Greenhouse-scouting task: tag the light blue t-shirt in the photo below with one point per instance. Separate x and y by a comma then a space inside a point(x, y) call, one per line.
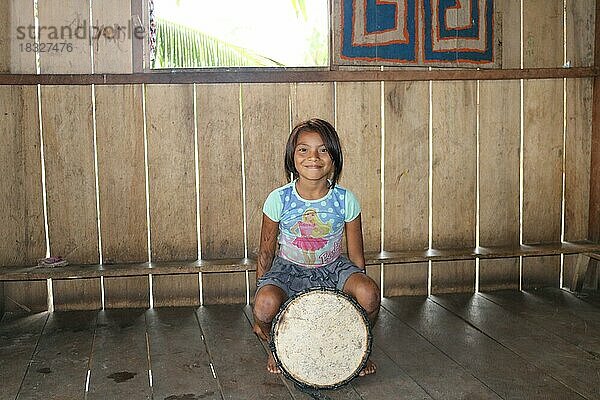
point(310, 231)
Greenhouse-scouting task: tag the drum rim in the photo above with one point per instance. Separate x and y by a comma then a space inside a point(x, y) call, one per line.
point(362, 313)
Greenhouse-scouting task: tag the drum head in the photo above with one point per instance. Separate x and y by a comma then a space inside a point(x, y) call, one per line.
point(321, 338)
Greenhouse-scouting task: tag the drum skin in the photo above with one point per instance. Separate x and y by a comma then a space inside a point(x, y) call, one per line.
point(321, 338)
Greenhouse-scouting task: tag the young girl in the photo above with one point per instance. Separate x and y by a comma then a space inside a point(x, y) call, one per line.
point(302, 229)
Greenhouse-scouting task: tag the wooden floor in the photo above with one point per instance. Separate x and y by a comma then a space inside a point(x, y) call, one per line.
point(503, 345)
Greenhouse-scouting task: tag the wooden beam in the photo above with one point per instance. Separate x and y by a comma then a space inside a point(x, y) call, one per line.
point(271, 75)
point(245, 264)
point(594, 223)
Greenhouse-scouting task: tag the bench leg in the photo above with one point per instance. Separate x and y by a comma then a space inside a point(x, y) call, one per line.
point(591, 276)
point(581, 267)
point(1, 300)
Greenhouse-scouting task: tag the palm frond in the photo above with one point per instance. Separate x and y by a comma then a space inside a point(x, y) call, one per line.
point(179, 46)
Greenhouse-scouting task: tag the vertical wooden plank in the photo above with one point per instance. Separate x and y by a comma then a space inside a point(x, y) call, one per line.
point(121, 176)
point(179, 359)
point(119, 367)
point(71, 20)
point(499, 159)
point(454, 164)
point(120, 138)
point(580, 52)
point(543, 135)
point(542, 161)
point(21, 205)
point(18, 339)
point(68, 136)
point(225, 288)
point(509, 13)
point(120, 146)
point(406, 183)
point(5, 35)
point(5, 42)
point(70, 176)
point(28, 296)
point(453, 277)
point(312, 100)
point(578, 158)
point(176, 290)
point(454, 142)
point(498, 274)
point(408, 279)
point(542, 152)
point(112, 36)
point(499, 146)
point(20, 17)
point(127, 292)
point(220, 169)
point(86, 295)
point(406, 109)
point(172, 176)
point(58, 369)
point(358, 114)
point(540, 272)
point(264, 137)
point(171, 170)
point(594, 222)
point(581, 18)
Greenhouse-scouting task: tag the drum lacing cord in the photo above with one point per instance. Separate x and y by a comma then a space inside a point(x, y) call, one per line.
point(313, 393)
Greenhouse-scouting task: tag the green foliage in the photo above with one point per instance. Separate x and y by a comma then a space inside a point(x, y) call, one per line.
point(299, 7)
point(179, 46)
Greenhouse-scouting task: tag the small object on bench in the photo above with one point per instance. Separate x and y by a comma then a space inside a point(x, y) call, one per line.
point(56, 261)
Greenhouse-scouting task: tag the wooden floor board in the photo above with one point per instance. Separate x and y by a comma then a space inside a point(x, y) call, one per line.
point(293, 389)
point(19, 336)
point(565, 362)
point(543, 313)
point(509, 345)
point(435, 372)
point(58, 369)
point(238, 357)
point(500, 369)
point(119, 366)
point(178, 358)
point(574, 303)
point(390, 381)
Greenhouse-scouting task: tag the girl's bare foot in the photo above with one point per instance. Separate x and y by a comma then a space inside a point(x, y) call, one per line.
point(272, 365)
point(369, 369)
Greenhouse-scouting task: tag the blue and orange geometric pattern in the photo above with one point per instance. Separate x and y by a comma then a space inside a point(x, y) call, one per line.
point(416, 32)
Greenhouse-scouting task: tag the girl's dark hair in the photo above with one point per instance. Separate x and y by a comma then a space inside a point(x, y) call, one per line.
point(330, 139)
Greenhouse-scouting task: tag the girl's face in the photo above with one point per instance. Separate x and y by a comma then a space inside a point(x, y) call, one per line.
point(311, 158)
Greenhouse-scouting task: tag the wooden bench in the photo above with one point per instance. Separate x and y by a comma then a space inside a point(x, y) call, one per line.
point(238, 265)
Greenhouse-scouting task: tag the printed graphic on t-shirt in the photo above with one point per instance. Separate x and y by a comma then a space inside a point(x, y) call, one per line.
point(311, 231)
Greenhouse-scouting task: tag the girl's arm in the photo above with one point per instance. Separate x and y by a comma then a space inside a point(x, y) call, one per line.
point(354, 242)
point(268, 245)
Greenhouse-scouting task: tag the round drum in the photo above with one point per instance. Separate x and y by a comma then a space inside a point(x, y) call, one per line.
point(321, 338)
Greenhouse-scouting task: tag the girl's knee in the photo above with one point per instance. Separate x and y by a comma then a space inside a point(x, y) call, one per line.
point(365, 291)
point(267, 302)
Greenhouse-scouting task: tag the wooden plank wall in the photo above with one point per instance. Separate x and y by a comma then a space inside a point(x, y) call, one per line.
point(580, 22)
point(499, 155)
point(142, 172)
point(21, 194)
